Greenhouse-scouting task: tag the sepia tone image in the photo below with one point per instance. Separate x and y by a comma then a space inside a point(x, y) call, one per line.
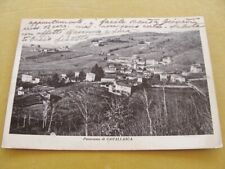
point(136, 84)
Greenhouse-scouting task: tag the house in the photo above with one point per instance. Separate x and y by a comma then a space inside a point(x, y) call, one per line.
point(77, 74)
point(67, 80)
point(97, 43)
point(49, 50)
point(90, 77)
point(36, 81)
point(139, 79)
point(141, 66)
point(20, 91)
point(134, 65)
point(123, 87)
point(107, 86)
point(147, 73)
point(177, 78)
point(128, 71)
point(185, 73)
point(157, 71)
point(147, 42)
point(139, 70)
point(130, 77)
point(150, 68)
point(163, 77)
point(63, 76)
point(141, 62)
point(26, 78)
point(166, 60)
point(151, 62)
point(110, 69)
point(108, 79)
point(63, 49)
point(196, 68)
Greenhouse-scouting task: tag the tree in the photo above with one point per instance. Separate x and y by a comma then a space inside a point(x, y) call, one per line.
point(82, 75)
point(98, 71)
point(19, 82)
point(117, 117)
point(71, 75)
point(54, 81)
point(84, 104)
point(147, 103)
point(142, 101)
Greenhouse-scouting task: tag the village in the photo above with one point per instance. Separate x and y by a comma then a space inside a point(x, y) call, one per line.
point(122, 75)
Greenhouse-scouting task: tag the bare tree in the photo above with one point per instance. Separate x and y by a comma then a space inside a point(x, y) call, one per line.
point(147, 103)
point(142, 100)
point(83, 103)
point(116, 115)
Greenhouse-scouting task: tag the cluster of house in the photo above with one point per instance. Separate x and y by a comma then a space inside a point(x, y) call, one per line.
point(103, 42)
point(38, 48)
point(122, 75)
point(29, 79)
point(25, 78)
point(90, 77)
point(119, 87)
point(130, 72)
point(138, 64)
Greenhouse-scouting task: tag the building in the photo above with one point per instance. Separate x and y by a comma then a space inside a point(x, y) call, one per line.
point(36, 81)
point(163, 77)
point(110, 69)
point(49, 50)
point(158, 71)
point(140, 61)
point(139, 79)
point(147, 73)
point(196, 68)
point(185, 73)
point(123, 88)
point(127, 71)
point(63, 76)
point(147, 42)
point(108, 79)
point(134, 65)
point(26, 78)
point(63, 49)
point(131, 77)
point(151, 62)
point(150, 68)
point(20, 91)
point(177, 78)
point(166, 60)
point(77, 74)
point(90, 77)
point(139, 70)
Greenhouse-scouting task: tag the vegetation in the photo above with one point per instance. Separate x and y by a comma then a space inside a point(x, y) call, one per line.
point(98, 71)
point(89, 110)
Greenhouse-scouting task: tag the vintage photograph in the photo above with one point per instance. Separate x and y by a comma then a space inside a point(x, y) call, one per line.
point(138, 84)
point(139, 81)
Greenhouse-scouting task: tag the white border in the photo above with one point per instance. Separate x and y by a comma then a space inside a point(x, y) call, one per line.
point(137, 143)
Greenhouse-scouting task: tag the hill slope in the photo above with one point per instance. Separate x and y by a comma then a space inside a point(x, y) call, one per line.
point(183, 47)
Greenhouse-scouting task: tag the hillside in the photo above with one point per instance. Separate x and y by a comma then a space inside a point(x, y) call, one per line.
point(183, 47)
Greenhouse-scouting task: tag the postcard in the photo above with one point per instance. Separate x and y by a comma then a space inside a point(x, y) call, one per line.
point(112, 84)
